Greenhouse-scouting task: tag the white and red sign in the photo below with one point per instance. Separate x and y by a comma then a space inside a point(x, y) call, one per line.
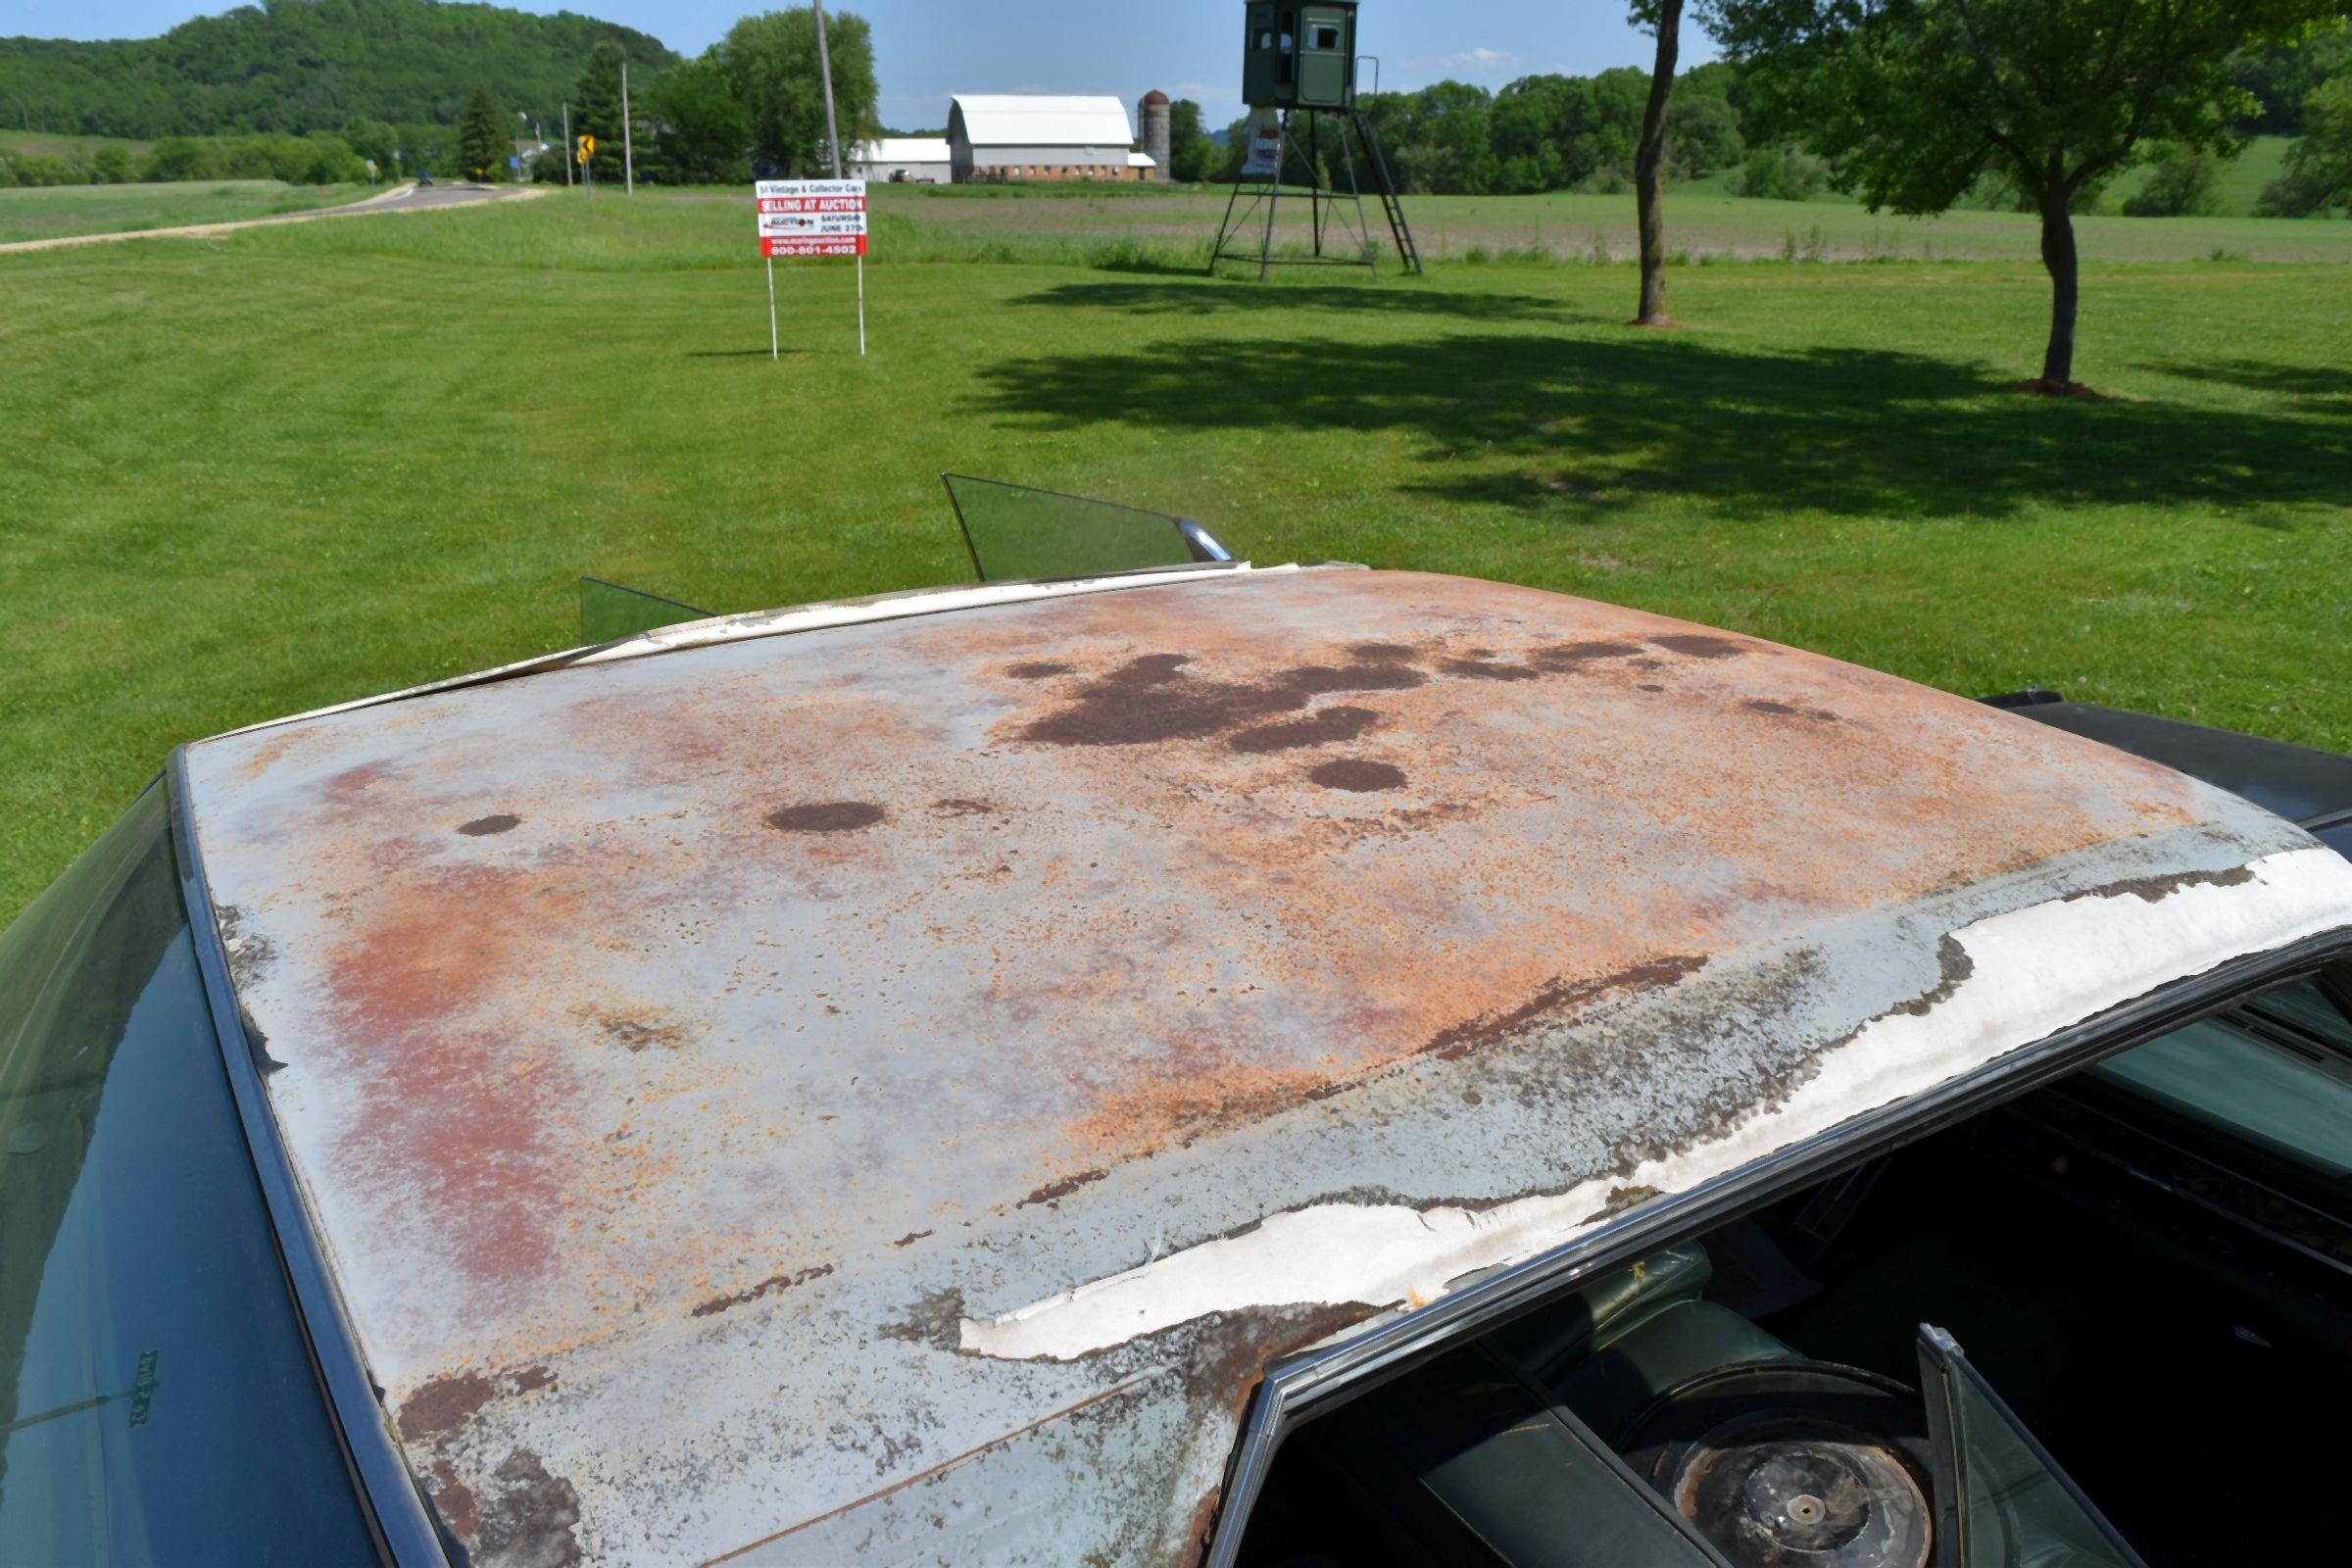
point(811, 216)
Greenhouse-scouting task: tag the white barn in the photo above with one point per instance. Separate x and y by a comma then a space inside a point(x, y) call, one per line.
point(1026, 136)
point(913, 160)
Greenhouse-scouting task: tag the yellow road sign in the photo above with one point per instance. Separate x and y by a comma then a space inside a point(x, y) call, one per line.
point(587, 148)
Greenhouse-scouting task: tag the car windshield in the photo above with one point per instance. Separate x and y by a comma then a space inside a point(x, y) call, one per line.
point(157, 1398)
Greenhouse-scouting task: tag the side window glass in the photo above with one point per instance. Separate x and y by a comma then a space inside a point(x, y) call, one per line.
point(2273, 1077)
point(2001, 1501)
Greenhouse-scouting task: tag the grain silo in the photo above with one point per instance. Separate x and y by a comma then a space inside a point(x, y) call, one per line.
point(1152, 118)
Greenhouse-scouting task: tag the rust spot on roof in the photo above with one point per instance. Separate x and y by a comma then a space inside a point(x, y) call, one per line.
point(637, 1033)
point(454, 1501)
point(1559, 996)
point(1151, 699)
point(964, 808)
point(529, 1521)
point(1356, 776)
point(1481, 665)
point(1703, 645)
point(910, 1237)
point(767, 1287)
point(485, 826)
point(1036, 670)
point(443, 1404)
point(1779, 710)
point(825, 817)
point(1323, 727)
point(1062, 1189)
point(1566, 657)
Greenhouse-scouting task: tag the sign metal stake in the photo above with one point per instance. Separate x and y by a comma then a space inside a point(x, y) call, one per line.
point(773, 351)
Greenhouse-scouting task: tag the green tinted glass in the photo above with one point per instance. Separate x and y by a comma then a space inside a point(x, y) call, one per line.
point(1015, 532)
point(2001, 1501)
point(157, 1400)
point(2285, 1091)
point(608, 612)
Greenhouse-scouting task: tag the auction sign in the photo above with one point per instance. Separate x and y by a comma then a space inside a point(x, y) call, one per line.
point(811, 216)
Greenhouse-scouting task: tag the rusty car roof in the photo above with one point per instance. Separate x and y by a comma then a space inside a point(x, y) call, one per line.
point(887, 1091)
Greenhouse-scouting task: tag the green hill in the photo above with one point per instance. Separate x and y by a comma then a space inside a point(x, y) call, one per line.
point(306, 65)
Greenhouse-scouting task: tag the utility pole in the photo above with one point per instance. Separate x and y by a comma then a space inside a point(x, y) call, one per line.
point(824, 69)
point(628, 155)
point(567, 142)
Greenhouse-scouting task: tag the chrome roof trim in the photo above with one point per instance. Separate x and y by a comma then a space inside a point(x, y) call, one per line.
point(812, 616)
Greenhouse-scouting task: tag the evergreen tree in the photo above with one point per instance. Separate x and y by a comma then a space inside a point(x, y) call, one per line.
point(596, 110)
point(484, 143)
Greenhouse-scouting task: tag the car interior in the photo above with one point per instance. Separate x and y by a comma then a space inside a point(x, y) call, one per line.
point(2117, 1309)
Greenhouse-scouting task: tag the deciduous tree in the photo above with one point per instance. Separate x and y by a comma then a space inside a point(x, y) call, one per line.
point(1190, 151)
point(770, 62)
point(1665, 20)
point(705, 136)
point(2318, 174)
point(1911, 100)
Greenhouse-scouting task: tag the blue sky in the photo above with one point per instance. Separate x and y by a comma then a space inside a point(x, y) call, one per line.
point(1187, 48)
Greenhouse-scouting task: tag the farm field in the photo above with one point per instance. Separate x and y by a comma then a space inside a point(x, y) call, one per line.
point(200, 528)
point(1702, 225)
point(46, 213)
point(63, 144)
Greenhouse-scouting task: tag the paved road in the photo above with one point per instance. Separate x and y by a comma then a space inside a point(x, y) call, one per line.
point(400, 199)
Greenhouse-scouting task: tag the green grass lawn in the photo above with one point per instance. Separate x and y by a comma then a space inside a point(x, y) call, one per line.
point(243, 476)
point(48, 212)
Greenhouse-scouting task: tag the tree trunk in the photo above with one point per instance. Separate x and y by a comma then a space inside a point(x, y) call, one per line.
point(2058, 256)
point(1648, 154)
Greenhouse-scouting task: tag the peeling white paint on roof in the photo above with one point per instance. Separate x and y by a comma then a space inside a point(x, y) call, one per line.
point(2030, 974)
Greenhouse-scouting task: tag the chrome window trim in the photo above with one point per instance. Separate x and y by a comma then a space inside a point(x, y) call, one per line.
point(1298, 1388)
point(404, 1528)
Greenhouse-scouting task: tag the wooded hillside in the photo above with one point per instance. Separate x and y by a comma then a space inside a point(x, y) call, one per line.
point(306, 65)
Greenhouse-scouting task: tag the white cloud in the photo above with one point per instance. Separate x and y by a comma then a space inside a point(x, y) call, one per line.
point(1479, 60)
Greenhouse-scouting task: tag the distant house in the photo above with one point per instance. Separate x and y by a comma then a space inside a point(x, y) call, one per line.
point(909, 160)
point(1023, 136)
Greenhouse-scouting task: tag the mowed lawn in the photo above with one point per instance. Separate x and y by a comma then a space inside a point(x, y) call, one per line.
point(51, 211)
point(244, 476)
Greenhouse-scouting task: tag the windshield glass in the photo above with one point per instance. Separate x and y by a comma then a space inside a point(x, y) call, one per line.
point(157, 1398)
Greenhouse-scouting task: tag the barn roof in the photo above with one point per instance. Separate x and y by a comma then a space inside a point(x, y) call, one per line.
point(799, 1094)
point(1022, 119)
point(902, 150)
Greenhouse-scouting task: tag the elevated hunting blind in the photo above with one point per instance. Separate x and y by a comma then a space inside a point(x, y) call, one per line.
point(1299, 56)
point(1297, 70)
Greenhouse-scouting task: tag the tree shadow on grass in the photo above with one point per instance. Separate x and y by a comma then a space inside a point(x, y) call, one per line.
point(2263, 376)
point(1574, 426)
point(1203, 298)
